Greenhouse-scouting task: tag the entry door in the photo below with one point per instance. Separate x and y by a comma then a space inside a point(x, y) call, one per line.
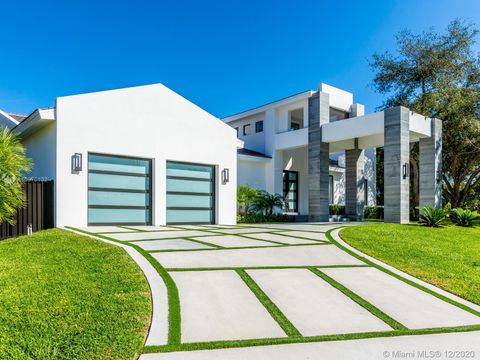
point(290, 190)
point(119, 190)
point(190, 193)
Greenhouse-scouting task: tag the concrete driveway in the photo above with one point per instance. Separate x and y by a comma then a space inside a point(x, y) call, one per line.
point(274, 284)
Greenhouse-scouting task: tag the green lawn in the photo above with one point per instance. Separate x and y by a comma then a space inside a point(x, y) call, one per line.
point(447, 257)
point(67, 296)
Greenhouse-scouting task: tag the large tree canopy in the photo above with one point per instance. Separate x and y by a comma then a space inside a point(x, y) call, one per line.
point(438, 75)
point(13, 164)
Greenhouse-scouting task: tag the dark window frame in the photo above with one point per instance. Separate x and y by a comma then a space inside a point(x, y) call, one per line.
point(259, 126)
point(286, 182)
point(331, 189)
point(247, 126)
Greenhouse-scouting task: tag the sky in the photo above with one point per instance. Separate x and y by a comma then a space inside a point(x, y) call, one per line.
point(224, 55)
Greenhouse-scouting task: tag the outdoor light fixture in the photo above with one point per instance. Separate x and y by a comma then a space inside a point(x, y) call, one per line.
point(225, 176)
point(77, 162)
point(405, 169)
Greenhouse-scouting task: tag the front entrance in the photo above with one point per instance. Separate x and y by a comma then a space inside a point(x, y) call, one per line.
point(290, 190)
point(190, 193)
point(119, 190)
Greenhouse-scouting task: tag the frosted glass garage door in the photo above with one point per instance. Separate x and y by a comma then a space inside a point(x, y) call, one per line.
point(190, 193)
point(118, 190)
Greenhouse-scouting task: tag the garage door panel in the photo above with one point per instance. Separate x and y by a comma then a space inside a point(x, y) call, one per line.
point(190, 193)
point(121, 216)
point(118, 198)
point(118, 190)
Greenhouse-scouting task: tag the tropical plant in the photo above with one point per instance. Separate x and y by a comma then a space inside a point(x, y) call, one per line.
point(465, 218)
point(13, 164)
point(438, 75)
point(267, 202)
point(246, 196)
point(432, 216)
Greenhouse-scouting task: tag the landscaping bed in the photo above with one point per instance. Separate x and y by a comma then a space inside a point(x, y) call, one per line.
point(447, 257)
point(67, 296)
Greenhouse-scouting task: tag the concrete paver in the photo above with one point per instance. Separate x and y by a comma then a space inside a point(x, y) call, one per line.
point(171, 244)
point(241, 231)
point(315, 255)
point(314, 306)
point(233, 241)
point(410, 306)
point(157, 235)
point(218, 305)
point(280, 238)
point(307, 234)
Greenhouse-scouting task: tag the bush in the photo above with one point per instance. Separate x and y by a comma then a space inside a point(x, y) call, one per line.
point(432, 217)
point(253, 218)
point(337, 209)
point(373, 212)
point(465, 218)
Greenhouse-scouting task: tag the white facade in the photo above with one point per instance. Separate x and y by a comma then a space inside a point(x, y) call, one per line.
point(149, 122)
point(284, 139)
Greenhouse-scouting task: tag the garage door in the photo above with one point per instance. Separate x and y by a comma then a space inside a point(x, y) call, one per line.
point(119, 190)
point(190, 193)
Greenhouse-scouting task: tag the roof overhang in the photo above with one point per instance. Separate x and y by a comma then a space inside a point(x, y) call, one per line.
point(369, 130)
point(34, 122)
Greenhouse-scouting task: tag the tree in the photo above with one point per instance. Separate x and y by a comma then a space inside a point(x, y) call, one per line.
point(246, 196)
point(13, 164)
point(268, 202)
point(438, 75)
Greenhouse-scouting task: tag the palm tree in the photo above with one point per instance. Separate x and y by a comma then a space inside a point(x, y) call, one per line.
point(246, 196)
point(268, 202)
point(13, 164)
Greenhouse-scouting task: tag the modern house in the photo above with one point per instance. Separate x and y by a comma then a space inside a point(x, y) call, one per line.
point(141, 155)
point(146, 155)
point(318, 148)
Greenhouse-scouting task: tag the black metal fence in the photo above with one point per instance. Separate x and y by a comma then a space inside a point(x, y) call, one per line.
point(37, 214)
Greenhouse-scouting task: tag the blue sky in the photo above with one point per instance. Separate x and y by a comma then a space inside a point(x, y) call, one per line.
point(224, 55)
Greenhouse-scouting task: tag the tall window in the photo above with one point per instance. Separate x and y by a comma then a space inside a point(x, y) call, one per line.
point(365, 191)
point(295, 119)
point(259, 126)
point(246, 129)
point(236, 129)
point(331, 189)
point(290, 190)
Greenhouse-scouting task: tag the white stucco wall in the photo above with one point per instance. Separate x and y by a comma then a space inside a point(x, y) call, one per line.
point(252, 173)
point(40, 147)
point(254, 141)
point(149, 122)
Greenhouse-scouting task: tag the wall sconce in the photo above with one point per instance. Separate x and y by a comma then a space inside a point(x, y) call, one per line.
point(225, 176)
point(77, 162)
point(405, 170)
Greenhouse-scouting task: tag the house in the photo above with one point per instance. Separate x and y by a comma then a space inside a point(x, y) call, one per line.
point(147, 156)
point(142, 155)
point(317, 148)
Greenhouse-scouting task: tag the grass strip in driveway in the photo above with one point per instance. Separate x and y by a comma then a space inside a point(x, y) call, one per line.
point(307, 339)
point(359, 300)
point(397, 276)
point(174, 318)
point(274, 311)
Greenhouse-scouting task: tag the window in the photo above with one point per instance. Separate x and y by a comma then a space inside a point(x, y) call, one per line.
point(295, 119)
point(259, 126)
point(236, 129)
point(246, 129)
point(331, 189)
point(290, 190)
point(365, 192)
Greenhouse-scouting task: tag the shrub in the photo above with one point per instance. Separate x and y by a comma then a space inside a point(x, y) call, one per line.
point(464, 218)
point(253, 218)
point(373, 212)
point(337, 209)
point(432, 217)
point(246, 197)
point(266, 202)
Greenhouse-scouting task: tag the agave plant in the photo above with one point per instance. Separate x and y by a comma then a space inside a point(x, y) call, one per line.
point(466, 218)
point(432, 217)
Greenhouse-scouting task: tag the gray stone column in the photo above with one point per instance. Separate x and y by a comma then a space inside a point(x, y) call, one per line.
point(396, 156)
point(318, 157)
point(354, 182)
point(431, 166)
